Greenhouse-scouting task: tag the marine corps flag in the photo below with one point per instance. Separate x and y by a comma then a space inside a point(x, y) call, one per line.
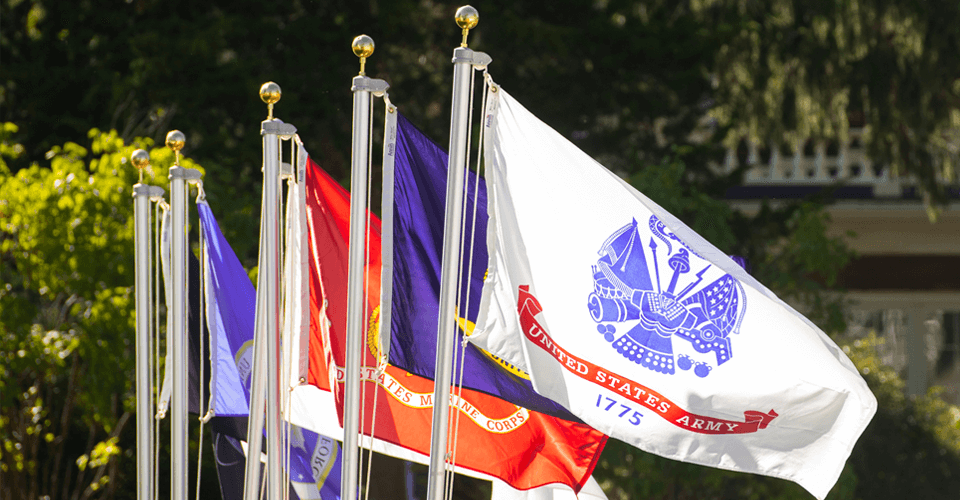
point(496, 439)
point(646, 331)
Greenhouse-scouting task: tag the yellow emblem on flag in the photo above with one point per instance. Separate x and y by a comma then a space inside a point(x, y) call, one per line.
point(373, 336)
point(468, 326)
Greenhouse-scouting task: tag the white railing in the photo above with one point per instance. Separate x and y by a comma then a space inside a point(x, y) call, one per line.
point(849, 164)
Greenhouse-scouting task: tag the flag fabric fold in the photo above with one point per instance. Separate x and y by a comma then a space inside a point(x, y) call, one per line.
point(231, 301)
point(590, 491)
point(420, 200)
point(496, 439)
point(645, 330)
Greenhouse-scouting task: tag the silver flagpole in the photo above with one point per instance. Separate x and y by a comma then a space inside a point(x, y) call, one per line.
point(258, 386)
point(464, 60)
point(267, 364)
point(362, 88)
point(270, 130)
point(142, 195)
point(178, 249)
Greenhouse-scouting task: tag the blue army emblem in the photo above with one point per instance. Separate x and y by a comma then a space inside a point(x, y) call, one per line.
point(658, 288)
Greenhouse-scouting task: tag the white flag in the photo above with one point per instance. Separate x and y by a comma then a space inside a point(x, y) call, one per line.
point(645, 330)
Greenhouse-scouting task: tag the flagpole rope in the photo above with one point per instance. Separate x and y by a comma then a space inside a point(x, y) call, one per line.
point(373, 426)
point(292, 186)
point(203, 322)
point(381, 363)
point(258, 313)
point(453, 440)
point(282, 293)
point(366, 305)
point(469, 250)
point(476, 203)
point(363, 314)
point(284, 375)
point(286, 444)
point(365, 308)
point(155, 354)
point(263, 481)
point(473, 223)
point(200, 443)
point(162, 209)
point(281, 299)
point(286, 454)
point(454, 431)
point(363, 386)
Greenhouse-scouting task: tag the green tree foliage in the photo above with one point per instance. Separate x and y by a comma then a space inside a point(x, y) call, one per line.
point(66, 314)
point(908, 439)
point(795, 70)
point(623, 77)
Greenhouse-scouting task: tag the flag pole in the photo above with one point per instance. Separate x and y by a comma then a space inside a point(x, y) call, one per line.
point(464, 60)
point(179, 177)
point(142, 195)
point(266, 377)
point(362, 89)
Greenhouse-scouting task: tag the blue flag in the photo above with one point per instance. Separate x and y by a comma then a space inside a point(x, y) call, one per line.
point(420, 194)
point(231, 305)
point(231, 301)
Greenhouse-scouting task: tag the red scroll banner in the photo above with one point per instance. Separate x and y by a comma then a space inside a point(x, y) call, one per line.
point(529, 307)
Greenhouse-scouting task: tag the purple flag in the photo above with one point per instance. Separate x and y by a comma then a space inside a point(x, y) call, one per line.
point(421, 178)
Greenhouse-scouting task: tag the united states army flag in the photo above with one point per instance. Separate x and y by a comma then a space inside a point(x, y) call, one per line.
point(643, 329)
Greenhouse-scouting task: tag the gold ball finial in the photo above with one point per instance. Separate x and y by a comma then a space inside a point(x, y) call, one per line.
point(363, 48)
point(467, 19)
point(175, 140)
point(141, 160)
point(270, 94)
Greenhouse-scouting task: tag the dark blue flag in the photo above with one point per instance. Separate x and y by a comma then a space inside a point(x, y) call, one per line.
point(230, 305)
point(419, 207)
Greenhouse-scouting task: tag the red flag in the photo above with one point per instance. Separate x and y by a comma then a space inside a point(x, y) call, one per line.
point(523, 448)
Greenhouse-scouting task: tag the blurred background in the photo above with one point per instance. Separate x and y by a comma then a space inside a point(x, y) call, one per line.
point(818, 139)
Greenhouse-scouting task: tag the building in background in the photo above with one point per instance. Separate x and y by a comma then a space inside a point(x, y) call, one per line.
point(904, 284)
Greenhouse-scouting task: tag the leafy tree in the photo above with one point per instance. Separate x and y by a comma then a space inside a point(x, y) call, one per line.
point(624, 78)
point(66, 314)
point(795, 70)
point(911, 449)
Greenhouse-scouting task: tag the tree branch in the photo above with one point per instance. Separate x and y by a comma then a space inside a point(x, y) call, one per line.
point(64, 429)
point(103, 468)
